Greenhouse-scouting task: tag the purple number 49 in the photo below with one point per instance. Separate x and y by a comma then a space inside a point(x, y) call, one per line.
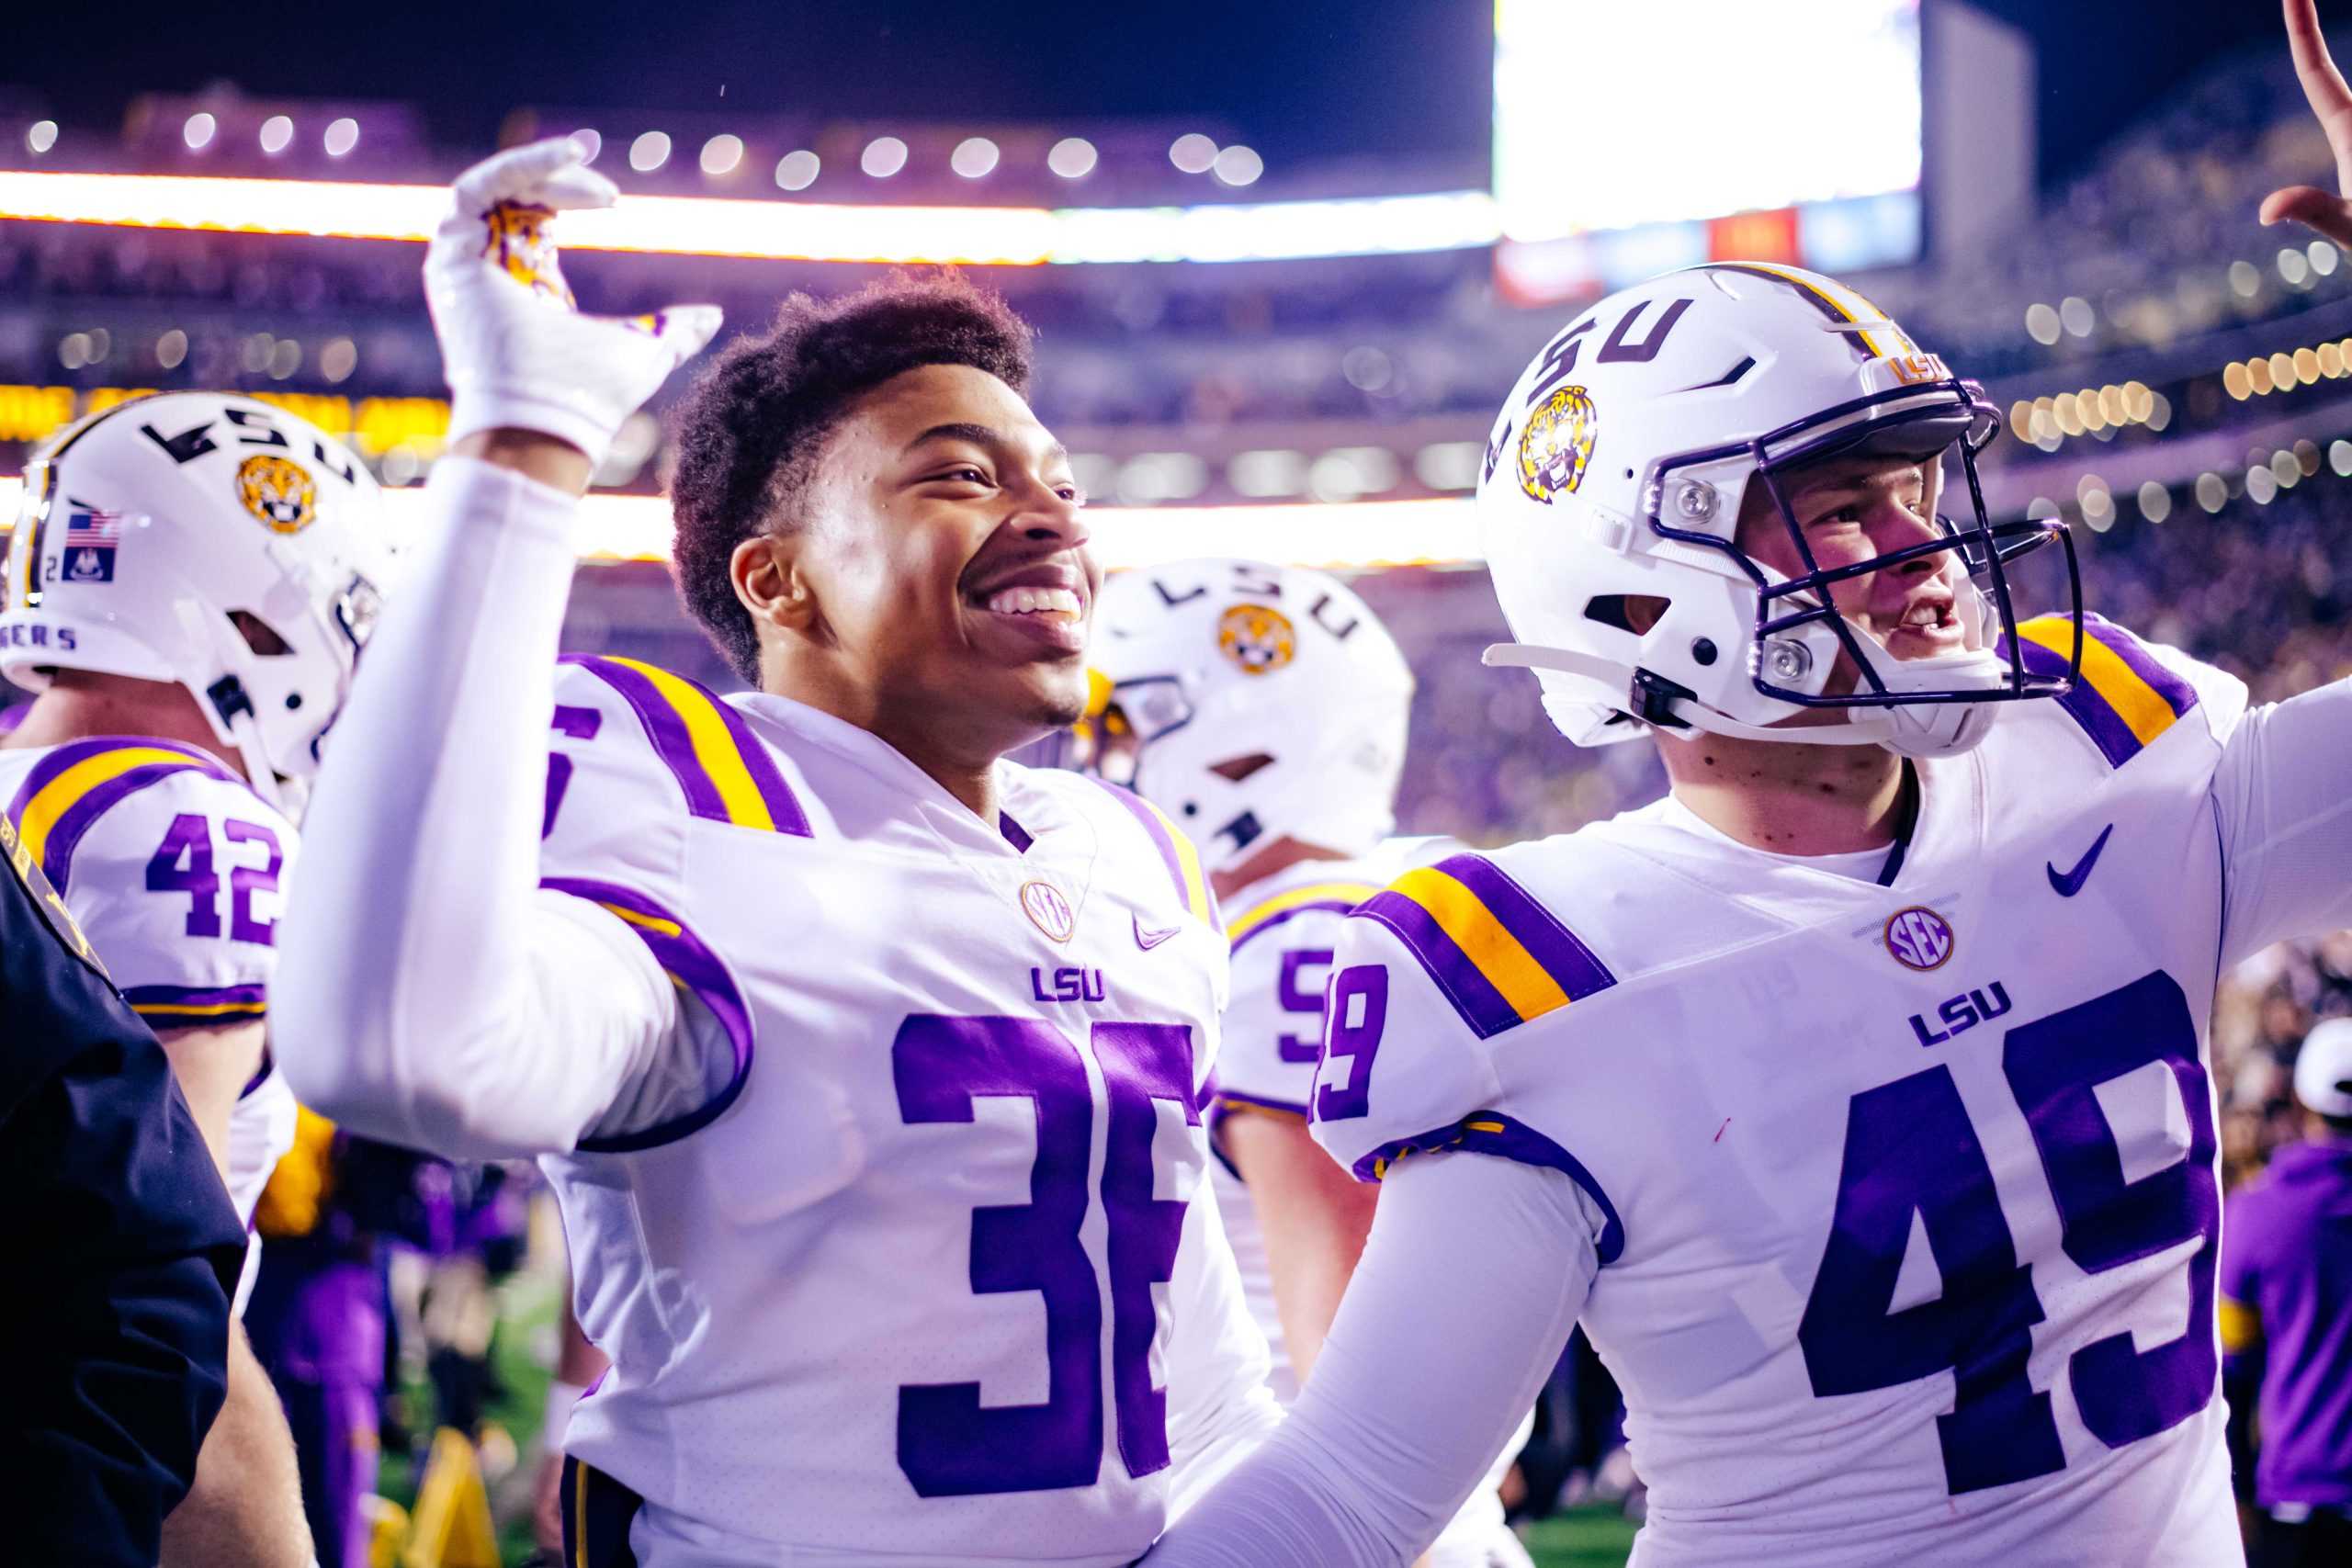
point(1359, 1012)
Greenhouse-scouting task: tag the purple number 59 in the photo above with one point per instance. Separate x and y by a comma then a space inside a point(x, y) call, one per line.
point(950, 1446)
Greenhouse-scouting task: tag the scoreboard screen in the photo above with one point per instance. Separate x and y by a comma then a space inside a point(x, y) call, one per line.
point(1629, 139)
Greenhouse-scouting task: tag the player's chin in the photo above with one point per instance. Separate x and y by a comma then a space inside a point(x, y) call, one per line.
point(1036, 694)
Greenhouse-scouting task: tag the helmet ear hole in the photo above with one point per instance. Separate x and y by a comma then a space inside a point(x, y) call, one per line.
point(259, 635)
point(1633, 614)
point(1236, 769)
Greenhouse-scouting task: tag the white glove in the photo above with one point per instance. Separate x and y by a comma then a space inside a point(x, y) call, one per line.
point(516, 352)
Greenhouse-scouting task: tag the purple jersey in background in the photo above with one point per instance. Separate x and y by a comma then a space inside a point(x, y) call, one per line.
point(2287, 1255)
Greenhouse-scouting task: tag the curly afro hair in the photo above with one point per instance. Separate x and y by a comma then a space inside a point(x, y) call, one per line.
point(748, 436)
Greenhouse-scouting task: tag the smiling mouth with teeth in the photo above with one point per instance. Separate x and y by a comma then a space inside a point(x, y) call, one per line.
point(1056, 603)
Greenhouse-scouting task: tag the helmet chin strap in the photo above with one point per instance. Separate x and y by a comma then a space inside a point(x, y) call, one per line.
point(1957, 727)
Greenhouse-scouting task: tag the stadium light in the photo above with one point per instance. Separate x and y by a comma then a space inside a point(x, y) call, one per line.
point(1073, 157)
point(665, 225)
point(1193, 152)
point(974, 158)
point(1238, 165)
point(1351, 537)
point(41, 136)
point(720, 154)
point(591, 141)
point(277, 134)
point(342, 136)
point(650, 152)
point(797, 171)
point(197, 131)
point(883, 156)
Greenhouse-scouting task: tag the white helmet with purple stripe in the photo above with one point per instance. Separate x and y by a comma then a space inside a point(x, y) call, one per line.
point(208, 540)
point(1616, 474)
point(1251, 701)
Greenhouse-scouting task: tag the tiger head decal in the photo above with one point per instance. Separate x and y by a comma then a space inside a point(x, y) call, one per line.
point(1257, 637)
point(518, 243)
point(1557, 445)
point(277, 490)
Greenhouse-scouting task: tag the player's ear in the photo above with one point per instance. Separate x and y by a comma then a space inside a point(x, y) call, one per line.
point(765, 569)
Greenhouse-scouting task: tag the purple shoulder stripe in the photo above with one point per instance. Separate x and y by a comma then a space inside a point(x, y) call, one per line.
point(1176, 858)
point(1492, 1133)
point(1549, 943)
point(1450, 969)
point(2094, 708)
point(2179, 694)
point(685, 959)
point(662, 713)
point(784, 806)
point(67, 829)
point(177, 1007)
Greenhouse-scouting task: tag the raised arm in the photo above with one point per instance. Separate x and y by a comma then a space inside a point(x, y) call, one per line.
point(2285, 820)
point(2331, 100)
point(428, 993)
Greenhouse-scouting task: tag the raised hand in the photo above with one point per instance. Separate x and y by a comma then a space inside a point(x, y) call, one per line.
point(518, 354)
point(2326, 211)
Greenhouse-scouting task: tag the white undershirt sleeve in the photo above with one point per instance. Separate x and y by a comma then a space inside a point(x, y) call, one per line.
point(2285, 820)
point(427, 992)
point(1472, 1278)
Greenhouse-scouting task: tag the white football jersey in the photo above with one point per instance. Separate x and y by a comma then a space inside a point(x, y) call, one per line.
point(1283, 928)
point(1909, 1186)
point(901, 1283)
point(172, 866)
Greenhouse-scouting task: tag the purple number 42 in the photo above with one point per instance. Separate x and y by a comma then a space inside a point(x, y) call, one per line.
point(949, 1446)
point(183, 863)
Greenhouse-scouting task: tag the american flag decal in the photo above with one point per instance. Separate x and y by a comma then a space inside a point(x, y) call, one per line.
point(91, 536)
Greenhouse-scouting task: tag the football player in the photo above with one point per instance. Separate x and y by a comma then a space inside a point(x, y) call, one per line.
point(866, 1065)
point(1264, 708)
point(1855, 1096)
point(187, 588)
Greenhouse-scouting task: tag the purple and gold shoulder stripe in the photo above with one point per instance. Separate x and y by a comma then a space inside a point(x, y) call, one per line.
point(723, 770)
point(182, 1007)
point(1336, 898)
point(695, 969)
point(1500, 956)
point(78, 783)
point(1176, 853)
point(2125, 698)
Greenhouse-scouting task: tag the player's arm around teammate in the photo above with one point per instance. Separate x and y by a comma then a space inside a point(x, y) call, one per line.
point(437, 999)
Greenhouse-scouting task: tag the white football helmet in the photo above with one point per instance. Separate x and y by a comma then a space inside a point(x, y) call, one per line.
point(1617, 471)
point(1251, 703)
point(208, 540)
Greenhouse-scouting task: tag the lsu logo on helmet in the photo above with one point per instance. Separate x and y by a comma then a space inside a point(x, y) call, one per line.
point(1257, 637)
point(518, 243)
point(1556, 446)
point(277, 490)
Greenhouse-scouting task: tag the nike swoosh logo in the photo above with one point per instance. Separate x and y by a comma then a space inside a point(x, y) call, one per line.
point(1149, 939)
point(2069, 883)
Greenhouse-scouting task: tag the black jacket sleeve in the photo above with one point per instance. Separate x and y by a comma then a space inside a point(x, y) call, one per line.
point(122, 1248)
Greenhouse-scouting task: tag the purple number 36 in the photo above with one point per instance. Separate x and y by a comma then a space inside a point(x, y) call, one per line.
point(950, 1446)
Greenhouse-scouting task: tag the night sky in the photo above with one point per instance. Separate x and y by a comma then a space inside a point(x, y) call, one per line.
point(1298, 79)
